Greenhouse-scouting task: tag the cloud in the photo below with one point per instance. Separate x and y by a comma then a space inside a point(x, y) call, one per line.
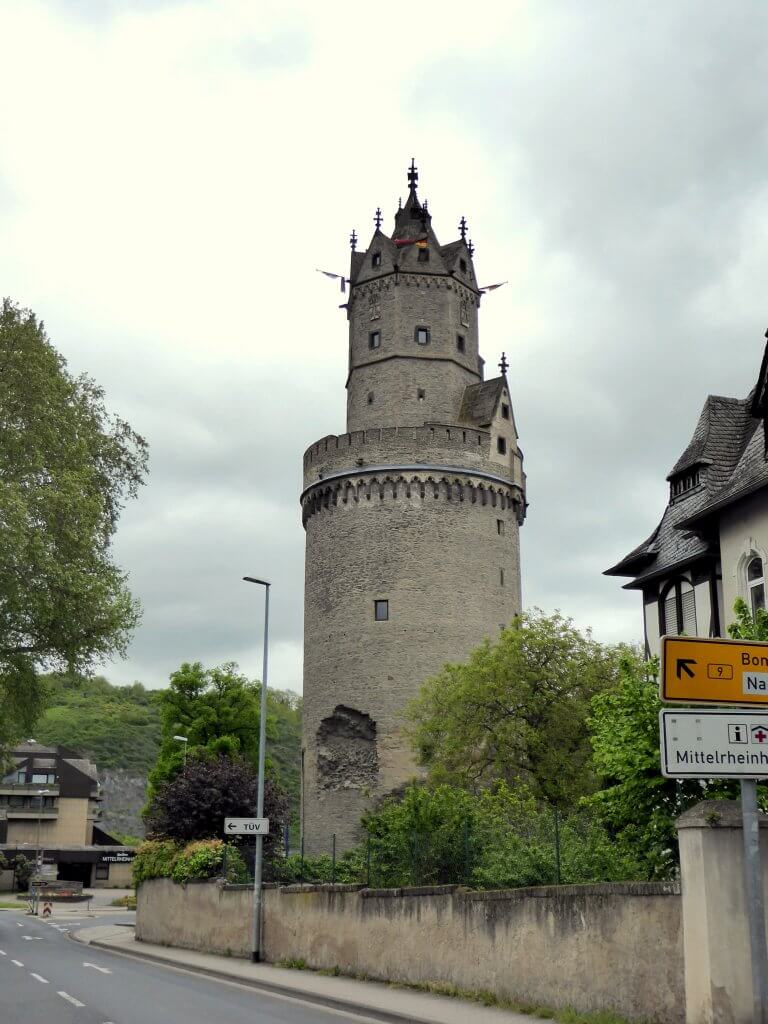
point(171, 174)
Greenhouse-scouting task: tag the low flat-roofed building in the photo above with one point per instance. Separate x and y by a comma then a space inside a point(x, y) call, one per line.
point(50, 807)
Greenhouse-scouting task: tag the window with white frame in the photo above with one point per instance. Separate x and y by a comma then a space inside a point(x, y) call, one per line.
point(756, 583)
point(678, 607)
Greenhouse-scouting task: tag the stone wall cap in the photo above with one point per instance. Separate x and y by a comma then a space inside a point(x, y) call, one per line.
point(715, 814)
point(671, 888)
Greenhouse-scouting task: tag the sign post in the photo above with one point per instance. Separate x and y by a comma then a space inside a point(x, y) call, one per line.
point(731, 744)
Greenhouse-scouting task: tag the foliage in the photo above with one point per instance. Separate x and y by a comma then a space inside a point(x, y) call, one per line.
point(748, 626)
point(350, 868)
point(129, 902)
point(117, 726)
point(636, 802)
point(499, 838)
point(22, 871)
point(66, 469)
point(218, 710)
point(154, 859)
point(211, 787)
point(516, 711)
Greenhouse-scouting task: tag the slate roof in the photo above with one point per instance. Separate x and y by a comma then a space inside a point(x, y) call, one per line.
point(481, 401)
point(729, 451)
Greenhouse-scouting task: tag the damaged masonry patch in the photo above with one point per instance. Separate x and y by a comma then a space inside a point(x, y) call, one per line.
point(346, 750)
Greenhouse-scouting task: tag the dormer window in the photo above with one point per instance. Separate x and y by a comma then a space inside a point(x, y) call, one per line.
point(685, 482)
point(423, 255)
point(376, 259)
point(501, 445)
point(504, 411)
point(463, 266)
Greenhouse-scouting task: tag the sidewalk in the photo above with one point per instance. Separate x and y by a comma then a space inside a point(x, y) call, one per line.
point(371, 999)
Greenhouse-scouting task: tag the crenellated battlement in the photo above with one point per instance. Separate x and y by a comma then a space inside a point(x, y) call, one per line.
point(433, 435)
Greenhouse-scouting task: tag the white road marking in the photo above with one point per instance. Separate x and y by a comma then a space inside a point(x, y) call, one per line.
point(104, 970)
point(38, 978)
point(19, 924)
point(17, 962)
point(70, 999)
point(2, 953)
point(32, 938)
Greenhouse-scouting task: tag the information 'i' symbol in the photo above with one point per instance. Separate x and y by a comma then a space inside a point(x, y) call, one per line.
point(737, 734)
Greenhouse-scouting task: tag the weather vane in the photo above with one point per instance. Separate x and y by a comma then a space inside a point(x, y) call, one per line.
point(503, 365)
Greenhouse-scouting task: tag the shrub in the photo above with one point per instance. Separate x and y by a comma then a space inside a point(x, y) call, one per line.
point(155, 858)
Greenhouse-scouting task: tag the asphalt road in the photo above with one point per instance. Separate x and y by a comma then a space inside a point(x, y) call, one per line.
point(47, 978)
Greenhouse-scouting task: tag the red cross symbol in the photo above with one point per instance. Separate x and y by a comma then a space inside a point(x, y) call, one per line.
point(759, 734)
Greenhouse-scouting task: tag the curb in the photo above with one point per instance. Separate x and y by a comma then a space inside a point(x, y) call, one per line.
point(311, 998)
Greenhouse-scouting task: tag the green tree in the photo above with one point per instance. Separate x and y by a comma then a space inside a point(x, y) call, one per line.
point(66, 468)
point(516, 711)
point(218, 710)
point(748, 626)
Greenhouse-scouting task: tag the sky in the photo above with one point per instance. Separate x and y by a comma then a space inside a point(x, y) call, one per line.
point(172, 173)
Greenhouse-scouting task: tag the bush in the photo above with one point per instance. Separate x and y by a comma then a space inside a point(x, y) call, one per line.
point(205, 858)
point(350, 868)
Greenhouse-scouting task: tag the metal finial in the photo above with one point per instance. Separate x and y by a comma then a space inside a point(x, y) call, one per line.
point(503, 365)
point(425, 206)
point(400, 203)
point(377, 218)
point(413, 175)
point(471, 249)
point(463, 228)
point(353, 240)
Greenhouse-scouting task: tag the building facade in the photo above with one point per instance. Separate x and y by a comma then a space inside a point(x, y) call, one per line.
point(50, 812)
point(411, 517)
point(711, 545)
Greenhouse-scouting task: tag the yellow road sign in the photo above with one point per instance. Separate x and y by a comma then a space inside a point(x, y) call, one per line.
point(695, 670)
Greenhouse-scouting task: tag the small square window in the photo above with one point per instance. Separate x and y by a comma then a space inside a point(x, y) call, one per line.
point(500, 527)
point(422, 335)
point(370, 398)
point(463, 265)
point(423, 255)
point(374, 339)
point(421, 394)
point(376, 259)
point(102, 872)
point(501, 445)
point(504, 411)
point(381, 611)
point(460, 342)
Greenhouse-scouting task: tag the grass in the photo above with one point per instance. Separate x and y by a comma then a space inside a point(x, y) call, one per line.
point(486, 998)
point(129, 902)
point(12, 906)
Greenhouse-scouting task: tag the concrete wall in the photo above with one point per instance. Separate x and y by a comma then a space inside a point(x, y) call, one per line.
point(607, 947)
point(201, 915)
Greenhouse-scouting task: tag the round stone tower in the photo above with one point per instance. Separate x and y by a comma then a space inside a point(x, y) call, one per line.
point(411, 518)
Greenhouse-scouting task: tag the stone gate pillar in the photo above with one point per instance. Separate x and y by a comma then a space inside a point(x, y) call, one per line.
point(718, 978)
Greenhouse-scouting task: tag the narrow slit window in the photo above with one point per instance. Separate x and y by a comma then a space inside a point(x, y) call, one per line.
point(421, 394)
point(500, 527)
point(463, 266)
point(501, 577)
point(381, 611)
point(504, 411)
point(370, 398)
point(422, 335)
point(374, 339)
point(501, 445)
point(460, 342)
point(376, 259)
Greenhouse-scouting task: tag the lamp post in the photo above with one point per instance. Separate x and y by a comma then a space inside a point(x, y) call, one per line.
point(257, 867)
point(40, 794)
point(185, 741)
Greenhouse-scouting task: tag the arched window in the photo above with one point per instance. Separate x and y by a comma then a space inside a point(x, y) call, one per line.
point(756, 583)
point(678, 609)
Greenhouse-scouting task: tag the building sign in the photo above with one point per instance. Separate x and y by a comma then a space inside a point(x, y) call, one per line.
point(695, 670)
point(118, 857)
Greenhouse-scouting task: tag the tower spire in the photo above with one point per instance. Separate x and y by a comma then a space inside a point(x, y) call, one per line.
point(413, 175)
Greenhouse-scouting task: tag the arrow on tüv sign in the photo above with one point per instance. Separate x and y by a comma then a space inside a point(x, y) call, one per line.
point(683, 665)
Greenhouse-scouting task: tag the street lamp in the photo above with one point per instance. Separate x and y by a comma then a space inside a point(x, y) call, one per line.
point(184, 740)
point(40, 794)
point(257, 867)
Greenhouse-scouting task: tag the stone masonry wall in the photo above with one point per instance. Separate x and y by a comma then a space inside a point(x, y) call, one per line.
point(599, 947)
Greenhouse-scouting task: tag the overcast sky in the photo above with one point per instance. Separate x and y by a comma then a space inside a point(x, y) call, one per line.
point(172, 173)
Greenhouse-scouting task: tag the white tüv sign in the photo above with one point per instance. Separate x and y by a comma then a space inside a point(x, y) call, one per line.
point(246, 826)
point(700, 744)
